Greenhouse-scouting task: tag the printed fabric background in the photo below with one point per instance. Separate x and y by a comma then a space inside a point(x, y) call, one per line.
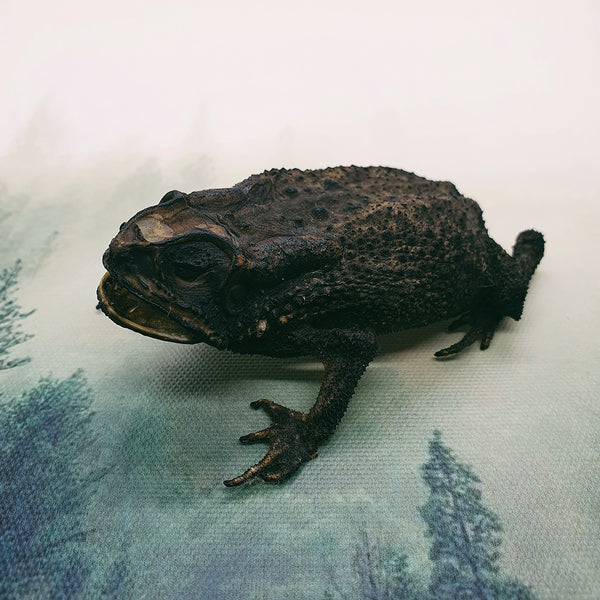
point(473, 478)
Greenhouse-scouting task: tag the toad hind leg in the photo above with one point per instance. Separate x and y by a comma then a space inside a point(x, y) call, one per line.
point(294, 437)
point(517, 271)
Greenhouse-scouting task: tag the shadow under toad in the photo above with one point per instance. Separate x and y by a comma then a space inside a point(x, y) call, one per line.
point(213, 371)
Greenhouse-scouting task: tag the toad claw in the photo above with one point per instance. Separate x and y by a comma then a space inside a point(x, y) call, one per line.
point(481, 327)
point(291, 444)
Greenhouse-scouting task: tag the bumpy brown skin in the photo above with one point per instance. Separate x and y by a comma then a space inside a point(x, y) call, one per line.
point(291, 263)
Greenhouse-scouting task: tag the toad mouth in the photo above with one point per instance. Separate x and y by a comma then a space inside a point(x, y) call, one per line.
point(130, 311)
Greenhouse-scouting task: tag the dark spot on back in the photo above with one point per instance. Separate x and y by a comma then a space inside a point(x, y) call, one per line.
point(319, 212)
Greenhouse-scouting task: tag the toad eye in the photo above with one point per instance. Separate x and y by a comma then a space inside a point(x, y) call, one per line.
point(197, 267)
point(187, 272)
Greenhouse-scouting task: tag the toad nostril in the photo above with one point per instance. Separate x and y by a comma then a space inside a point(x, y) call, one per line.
point(125, 260)
point(139, 262)
point(106, 259)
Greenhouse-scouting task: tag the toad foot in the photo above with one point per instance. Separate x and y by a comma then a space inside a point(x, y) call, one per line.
point(291, 441)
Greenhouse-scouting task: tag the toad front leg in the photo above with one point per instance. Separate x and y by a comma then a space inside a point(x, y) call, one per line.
point(294, 437)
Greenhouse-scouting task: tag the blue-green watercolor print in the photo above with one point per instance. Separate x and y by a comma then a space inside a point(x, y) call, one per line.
point(72, 526)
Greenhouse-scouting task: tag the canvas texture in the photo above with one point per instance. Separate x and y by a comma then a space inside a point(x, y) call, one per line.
point(473, 478)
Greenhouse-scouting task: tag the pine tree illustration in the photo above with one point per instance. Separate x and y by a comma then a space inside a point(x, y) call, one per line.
point(44, 487)
point(10, 317)
point(465, 534)
point(384, 574)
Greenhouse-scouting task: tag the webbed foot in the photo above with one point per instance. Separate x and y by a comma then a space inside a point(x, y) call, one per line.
point(292, 442)
point(482, 325)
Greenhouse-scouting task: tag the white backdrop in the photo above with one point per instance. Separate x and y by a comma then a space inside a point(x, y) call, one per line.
point(502, 96)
